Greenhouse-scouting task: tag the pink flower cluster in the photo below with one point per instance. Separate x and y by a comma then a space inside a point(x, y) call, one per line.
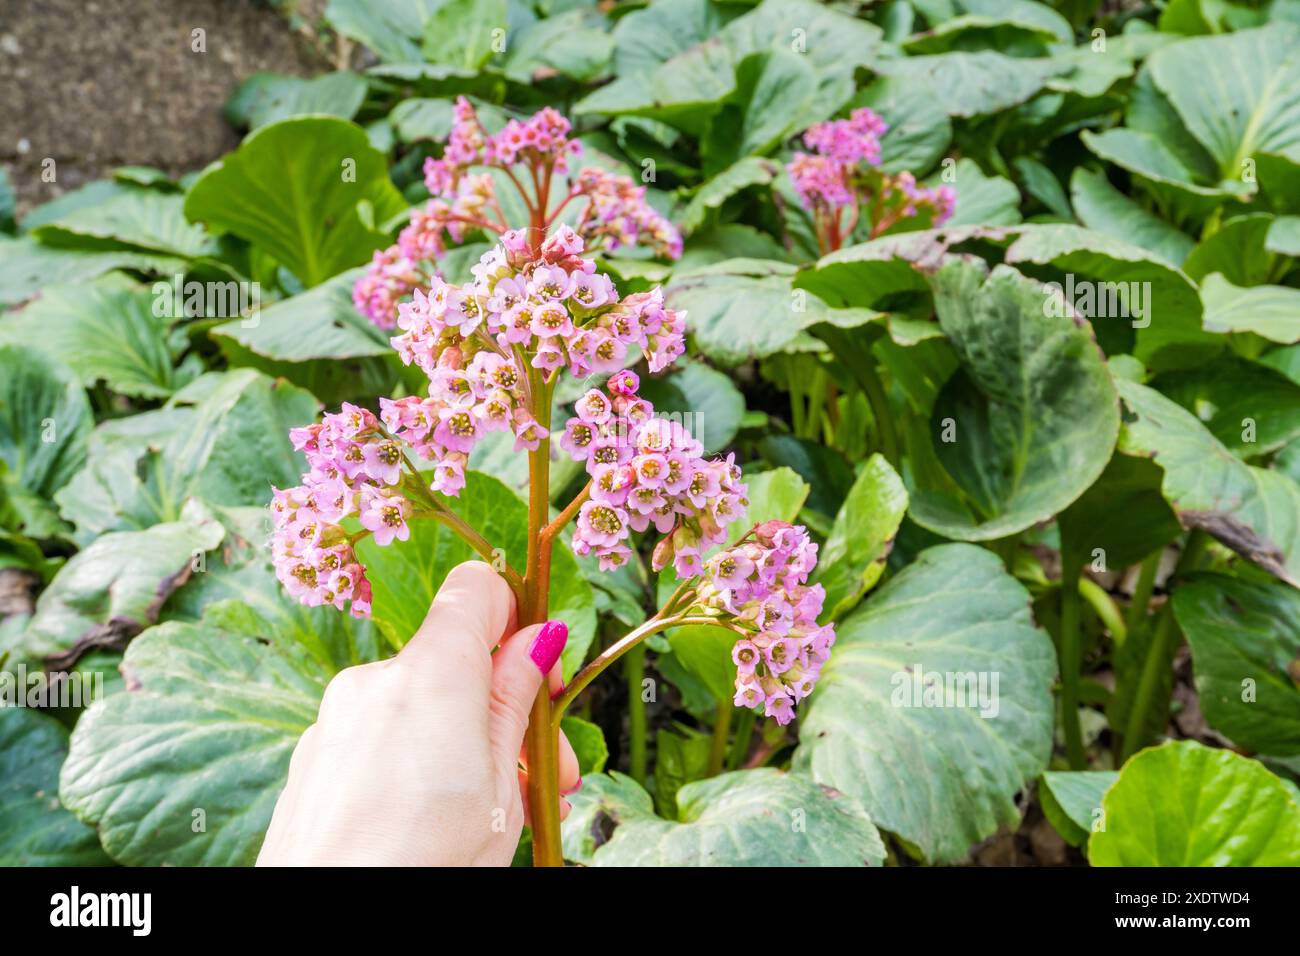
point(646, 470)
point(354, 470)
point(619, 215)
point(841, 173)
point(760, 583)
point(548, 312)
point(840, 146)
point(464, 200)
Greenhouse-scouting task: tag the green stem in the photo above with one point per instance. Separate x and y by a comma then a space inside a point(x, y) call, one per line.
point(620, 647)
point(1071, 658)
point(1142, 591)
point(869, 378)
point(1101, 602)
point(744, 736)
point(721, 731)
point(1147, 681)
point(1158, 652)
point(634, 671)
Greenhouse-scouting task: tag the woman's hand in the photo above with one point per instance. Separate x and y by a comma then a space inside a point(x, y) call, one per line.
point(416, 761)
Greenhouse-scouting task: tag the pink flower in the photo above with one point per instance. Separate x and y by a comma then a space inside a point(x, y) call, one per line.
point(385, 515)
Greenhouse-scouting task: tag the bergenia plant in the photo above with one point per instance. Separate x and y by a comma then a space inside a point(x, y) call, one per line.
point(842, 185)
point(493, 351)
point(608, 210)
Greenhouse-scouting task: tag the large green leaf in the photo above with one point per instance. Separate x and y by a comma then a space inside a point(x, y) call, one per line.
point(35, 830)
point(941, 777)
point(309, 191)
point(1183, 804)
point(1103, 208)
point(1122, 518)
point(1245, 640)
point(115, 588)
point(1071, 800)
point(982, 200)
point(1238, 94)
point(392, 29)
point(267, 97)
point(746, 308)
point(406, 575)
point(853, 557)
point(1251, 408)
point(919, 130)
point(975, 84)
point(773, 97)
point(184, 767)
point(747, 818)
point(44, 421)
point(1272, 311)
point(224, 439)
point(460, 33)
point(140, 219)
point(572, 44)
point(315, 339)
point(1253, 511)
point(1026, 424)
point(1159, 302)
point(104, 332)
point(27, 266)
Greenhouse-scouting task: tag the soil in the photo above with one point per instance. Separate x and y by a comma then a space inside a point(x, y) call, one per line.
point(95, 84)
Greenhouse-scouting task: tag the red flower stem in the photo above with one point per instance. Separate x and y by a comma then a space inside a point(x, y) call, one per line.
point(541, 743)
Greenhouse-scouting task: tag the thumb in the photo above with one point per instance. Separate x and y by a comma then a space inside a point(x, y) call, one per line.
point(518, 670)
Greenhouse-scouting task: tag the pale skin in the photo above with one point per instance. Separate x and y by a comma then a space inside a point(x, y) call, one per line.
point(417, 760)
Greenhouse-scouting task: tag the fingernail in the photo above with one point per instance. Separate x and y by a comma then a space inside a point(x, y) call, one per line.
point(572, 790)
point(548, 645)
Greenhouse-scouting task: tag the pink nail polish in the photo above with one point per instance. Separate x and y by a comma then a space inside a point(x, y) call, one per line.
point(548, 645)
point(572, 790)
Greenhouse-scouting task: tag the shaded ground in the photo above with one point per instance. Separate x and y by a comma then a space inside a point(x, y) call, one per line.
point(94, 84)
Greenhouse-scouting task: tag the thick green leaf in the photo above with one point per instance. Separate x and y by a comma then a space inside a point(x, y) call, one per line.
point(104, 332)
point(115, 588)
point(1122, 518)
point(746, 308)
point(750, 171)
point(981, 199)
point(588, 742)
point(308, 191)
point(316, 340)
point(35, 830)
point(955, 620)
point(706, 653)
point(1071, 800)
point(392, 29)
point(1103, 208)
point(44, 423)
point(406, 575)
point(229, 448)
point(1272, 311)
point(1237, 250)
point(26, 266)
point(747, 818)
point(1126, 287)
point(1183, 804)
point(184, 768)
point(1251, 408)
point(268, 97)
point(138, 219)
point(919, 130)
point(572, 43)
point(1027, 423)
point(1245, 640)
point(1253, 511)
point(1238, 94)
point(853, 557)
point(974, 84)
point(460, 33)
